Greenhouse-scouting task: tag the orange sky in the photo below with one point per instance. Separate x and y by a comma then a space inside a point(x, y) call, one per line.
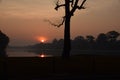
point(23, 20)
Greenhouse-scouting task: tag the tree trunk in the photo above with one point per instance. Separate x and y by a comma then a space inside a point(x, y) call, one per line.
point(67, 41)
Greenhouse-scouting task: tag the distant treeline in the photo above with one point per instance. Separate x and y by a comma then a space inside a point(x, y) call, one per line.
point(104, 41)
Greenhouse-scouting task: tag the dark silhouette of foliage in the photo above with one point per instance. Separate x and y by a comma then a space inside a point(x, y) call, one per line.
point(112, 39)
point(91, 41)
point(79, 43)
point(90, 38)
point(102, 42)
point(4, 40)
point(112, 35)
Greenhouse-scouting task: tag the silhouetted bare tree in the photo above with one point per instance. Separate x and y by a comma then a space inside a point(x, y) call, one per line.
point(70, 7)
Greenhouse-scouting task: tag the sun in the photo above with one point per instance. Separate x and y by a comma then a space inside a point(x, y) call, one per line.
point(41, 39)
point(42, 55)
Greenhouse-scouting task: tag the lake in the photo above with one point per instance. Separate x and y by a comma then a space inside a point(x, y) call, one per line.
point(53, 53)
point(31, 53)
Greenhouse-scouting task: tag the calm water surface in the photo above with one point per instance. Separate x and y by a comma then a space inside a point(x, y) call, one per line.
point(22, 53)
point(52, 53)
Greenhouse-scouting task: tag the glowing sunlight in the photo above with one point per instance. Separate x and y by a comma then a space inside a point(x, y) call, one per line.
point(42, 55)
point(41, 39)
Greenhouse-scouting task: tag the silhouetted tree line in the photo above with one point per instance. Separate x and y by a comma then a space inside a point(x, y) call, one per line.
point(104, 41)
point(108, 41)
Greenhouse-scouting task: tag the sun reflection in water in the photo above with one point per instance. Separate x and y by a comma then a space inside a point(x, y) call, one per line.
point(42, 55)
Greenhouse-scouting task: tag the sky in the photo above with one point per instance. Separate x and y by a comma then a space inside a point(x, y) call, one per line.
point(24, 20)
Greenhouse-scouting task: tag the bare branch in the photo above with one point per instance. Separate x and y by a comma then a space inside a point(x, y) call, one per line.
point(72, 3)
point(81, 6)
point(56, 25)
point(77, 7)
point(74, 8)
point(58, 5)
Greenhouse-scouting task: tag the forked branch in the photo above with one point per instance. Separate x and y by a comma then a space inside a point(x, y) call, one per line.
point(81, 6)
point(77, 7)
point(56, 25)
point(74, 6)
point(58, 5)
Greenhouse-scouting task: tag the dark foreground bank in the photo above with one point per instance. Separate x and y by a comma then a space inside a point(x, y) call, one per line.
point(55, 68)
